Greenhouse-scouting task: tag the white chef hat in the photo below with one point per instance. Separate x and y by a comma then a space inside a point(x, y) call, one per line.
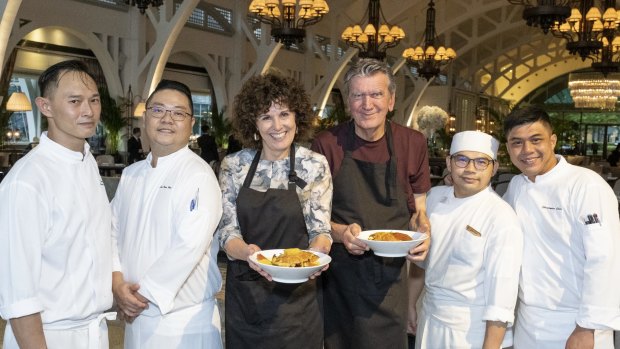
point(474, 141)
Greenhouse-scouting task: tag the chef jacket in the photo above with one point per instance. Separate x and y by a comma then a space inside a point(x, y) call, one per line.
point(163, 222)
point(55, 247)
point(472, 269)
point(570, 262)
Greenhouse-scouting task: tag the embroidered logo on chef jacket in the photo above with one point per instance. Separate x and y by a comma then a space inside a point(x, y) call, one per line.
point(165, 187)
point(194, 203)
point(552, 208)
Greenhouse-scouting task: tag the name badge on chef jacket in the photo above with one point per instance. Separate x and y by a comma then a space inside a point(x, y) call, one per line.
point(473, 231)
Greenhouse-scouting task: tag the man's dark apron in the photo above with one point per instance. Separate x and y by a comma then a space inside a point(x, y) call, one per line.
point(259, 313)
point(365, 297)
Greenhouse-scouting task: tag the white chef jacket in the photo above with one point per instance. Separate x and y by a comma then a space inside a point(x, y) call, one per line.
point(472, 269)
point(163, 222)
point(570, 269)
point(55, 247)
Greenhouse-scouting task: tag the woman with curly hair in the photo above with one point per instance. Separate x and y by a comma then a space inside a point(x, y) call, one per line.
point(276, 194)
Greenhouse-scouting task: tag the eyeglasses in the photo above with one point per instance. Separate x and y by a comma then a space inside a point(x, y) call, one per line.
point(462, 161)
point(176, 115)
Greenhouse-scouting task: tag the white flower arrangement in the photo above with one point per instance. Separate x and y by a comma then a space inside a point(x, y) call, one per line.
point(431, 118)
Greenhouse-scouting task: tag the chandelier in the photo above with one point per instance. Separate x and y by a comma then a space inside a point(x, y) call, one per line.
point(545, 13)
point(288, 18)
point(378, 35)
point(144, 4)
point(426, 57)
point(592, 90)
point(587, 31)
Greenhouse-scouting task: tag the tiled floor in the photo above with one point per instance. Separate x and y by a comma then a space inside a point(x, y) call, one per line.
point(116, 329)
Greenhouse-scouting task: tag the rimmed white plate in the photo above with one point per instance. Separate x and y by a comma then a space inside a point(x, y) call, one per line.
point(392, 248)
point(289, 275)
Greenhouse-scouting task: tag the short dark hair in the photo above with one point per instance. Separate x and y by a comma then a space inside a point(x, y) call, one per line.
point(136, 130)
point(48, 80)
point(526, 115)
point(176, 86)
point(256, 97)
point(204, 128)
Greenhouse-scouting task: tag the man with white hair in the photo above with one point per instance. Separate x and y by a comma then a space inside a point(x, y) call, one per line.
point(471, 273)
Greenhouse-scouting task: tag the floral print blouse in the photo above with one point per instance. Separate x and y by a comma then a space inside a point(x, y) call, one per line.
point(315, 198)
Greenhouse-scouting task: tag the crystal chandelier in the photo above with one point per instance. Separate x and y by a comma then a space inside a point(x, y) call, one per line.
point(288, 18)
point(427, 57)
point(593, 90)
point(544, 13)
point(378, 35)
point(144, 4)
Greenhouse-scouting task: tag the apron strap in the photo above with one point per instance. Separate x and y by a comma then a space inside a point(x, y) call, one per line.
point(292, 175)
point(390, 176)
point(252, 170)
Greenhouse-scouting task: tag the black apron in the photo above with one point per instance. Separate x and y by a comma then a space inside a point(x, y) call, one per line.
point(365, 297)
point(259, 313)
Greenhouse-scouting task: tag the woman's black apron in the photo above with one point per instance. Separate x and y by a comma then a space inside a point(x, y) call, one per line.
point(365, 297)
point(259, 313)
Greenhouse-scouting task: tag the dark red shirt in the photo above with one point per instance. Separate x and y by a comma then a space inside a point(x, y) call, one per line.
point(409, 147)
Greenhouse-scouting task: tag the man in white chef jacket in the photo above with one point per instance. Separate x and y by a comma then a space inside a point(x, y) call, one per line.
point(569, 295)
point(471, 274)
point(55, 257)
point(164, 214)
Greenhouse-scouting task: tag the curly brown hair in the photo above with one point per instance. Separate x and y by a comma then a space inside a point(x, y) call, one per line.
point(255, 99)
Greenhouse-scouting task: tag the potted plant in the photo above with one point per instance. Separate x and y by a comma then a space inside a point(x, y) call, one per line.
point(113, 121)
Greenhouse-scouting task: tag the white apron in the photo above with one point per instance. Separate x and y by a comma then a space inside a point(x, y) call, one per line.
point(91, 334)
point(449, 326)
point(536, 328)
point(197, 327)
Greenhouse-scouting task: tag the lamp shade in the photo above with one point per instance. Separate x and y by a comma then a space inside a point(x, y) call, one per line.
point(18, 102)
point(140, 109)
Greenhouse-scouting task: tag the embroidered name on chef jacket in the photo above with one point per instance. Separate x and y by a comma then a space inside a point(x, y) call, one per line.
point(165, 187)
point(552, 208)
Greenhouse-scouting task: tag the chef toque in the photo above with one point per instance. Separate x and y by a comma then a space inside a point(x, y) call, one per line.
point(474, 141)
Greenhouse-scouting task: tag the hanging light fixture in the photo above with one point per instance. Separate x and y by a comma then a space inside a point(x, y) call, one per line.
point(585, 29)
point(288, 18)
point(144, 4)
point(593, 90)
point(544, 13)
point(18, 101)
point(593, 35)
point(378, 35)
point(427, 57)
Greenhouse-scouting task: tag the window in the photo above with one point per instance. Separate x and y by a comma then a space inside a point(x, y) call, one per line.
point(202, 110)
point(210, 17)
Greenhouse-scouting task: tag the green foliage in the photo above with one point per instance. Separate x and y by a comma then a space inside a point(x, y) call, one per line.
point(221, 128)
point(112, 119)
point(335, 116)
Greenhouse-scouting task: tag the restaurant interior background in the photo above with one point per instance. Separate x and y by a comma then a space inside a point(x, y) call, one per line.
point(485, 60)
point(499, 63)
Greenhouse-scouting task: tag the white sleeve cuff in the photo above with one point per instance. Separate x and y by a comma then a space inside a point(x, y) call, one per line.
point(495, 313)
point(21, 308)
point(157, 295)
point(599, 318)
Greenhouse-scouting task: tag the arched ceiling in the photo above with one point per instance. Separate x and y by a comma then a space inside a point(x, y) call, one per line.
point(498, 53)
